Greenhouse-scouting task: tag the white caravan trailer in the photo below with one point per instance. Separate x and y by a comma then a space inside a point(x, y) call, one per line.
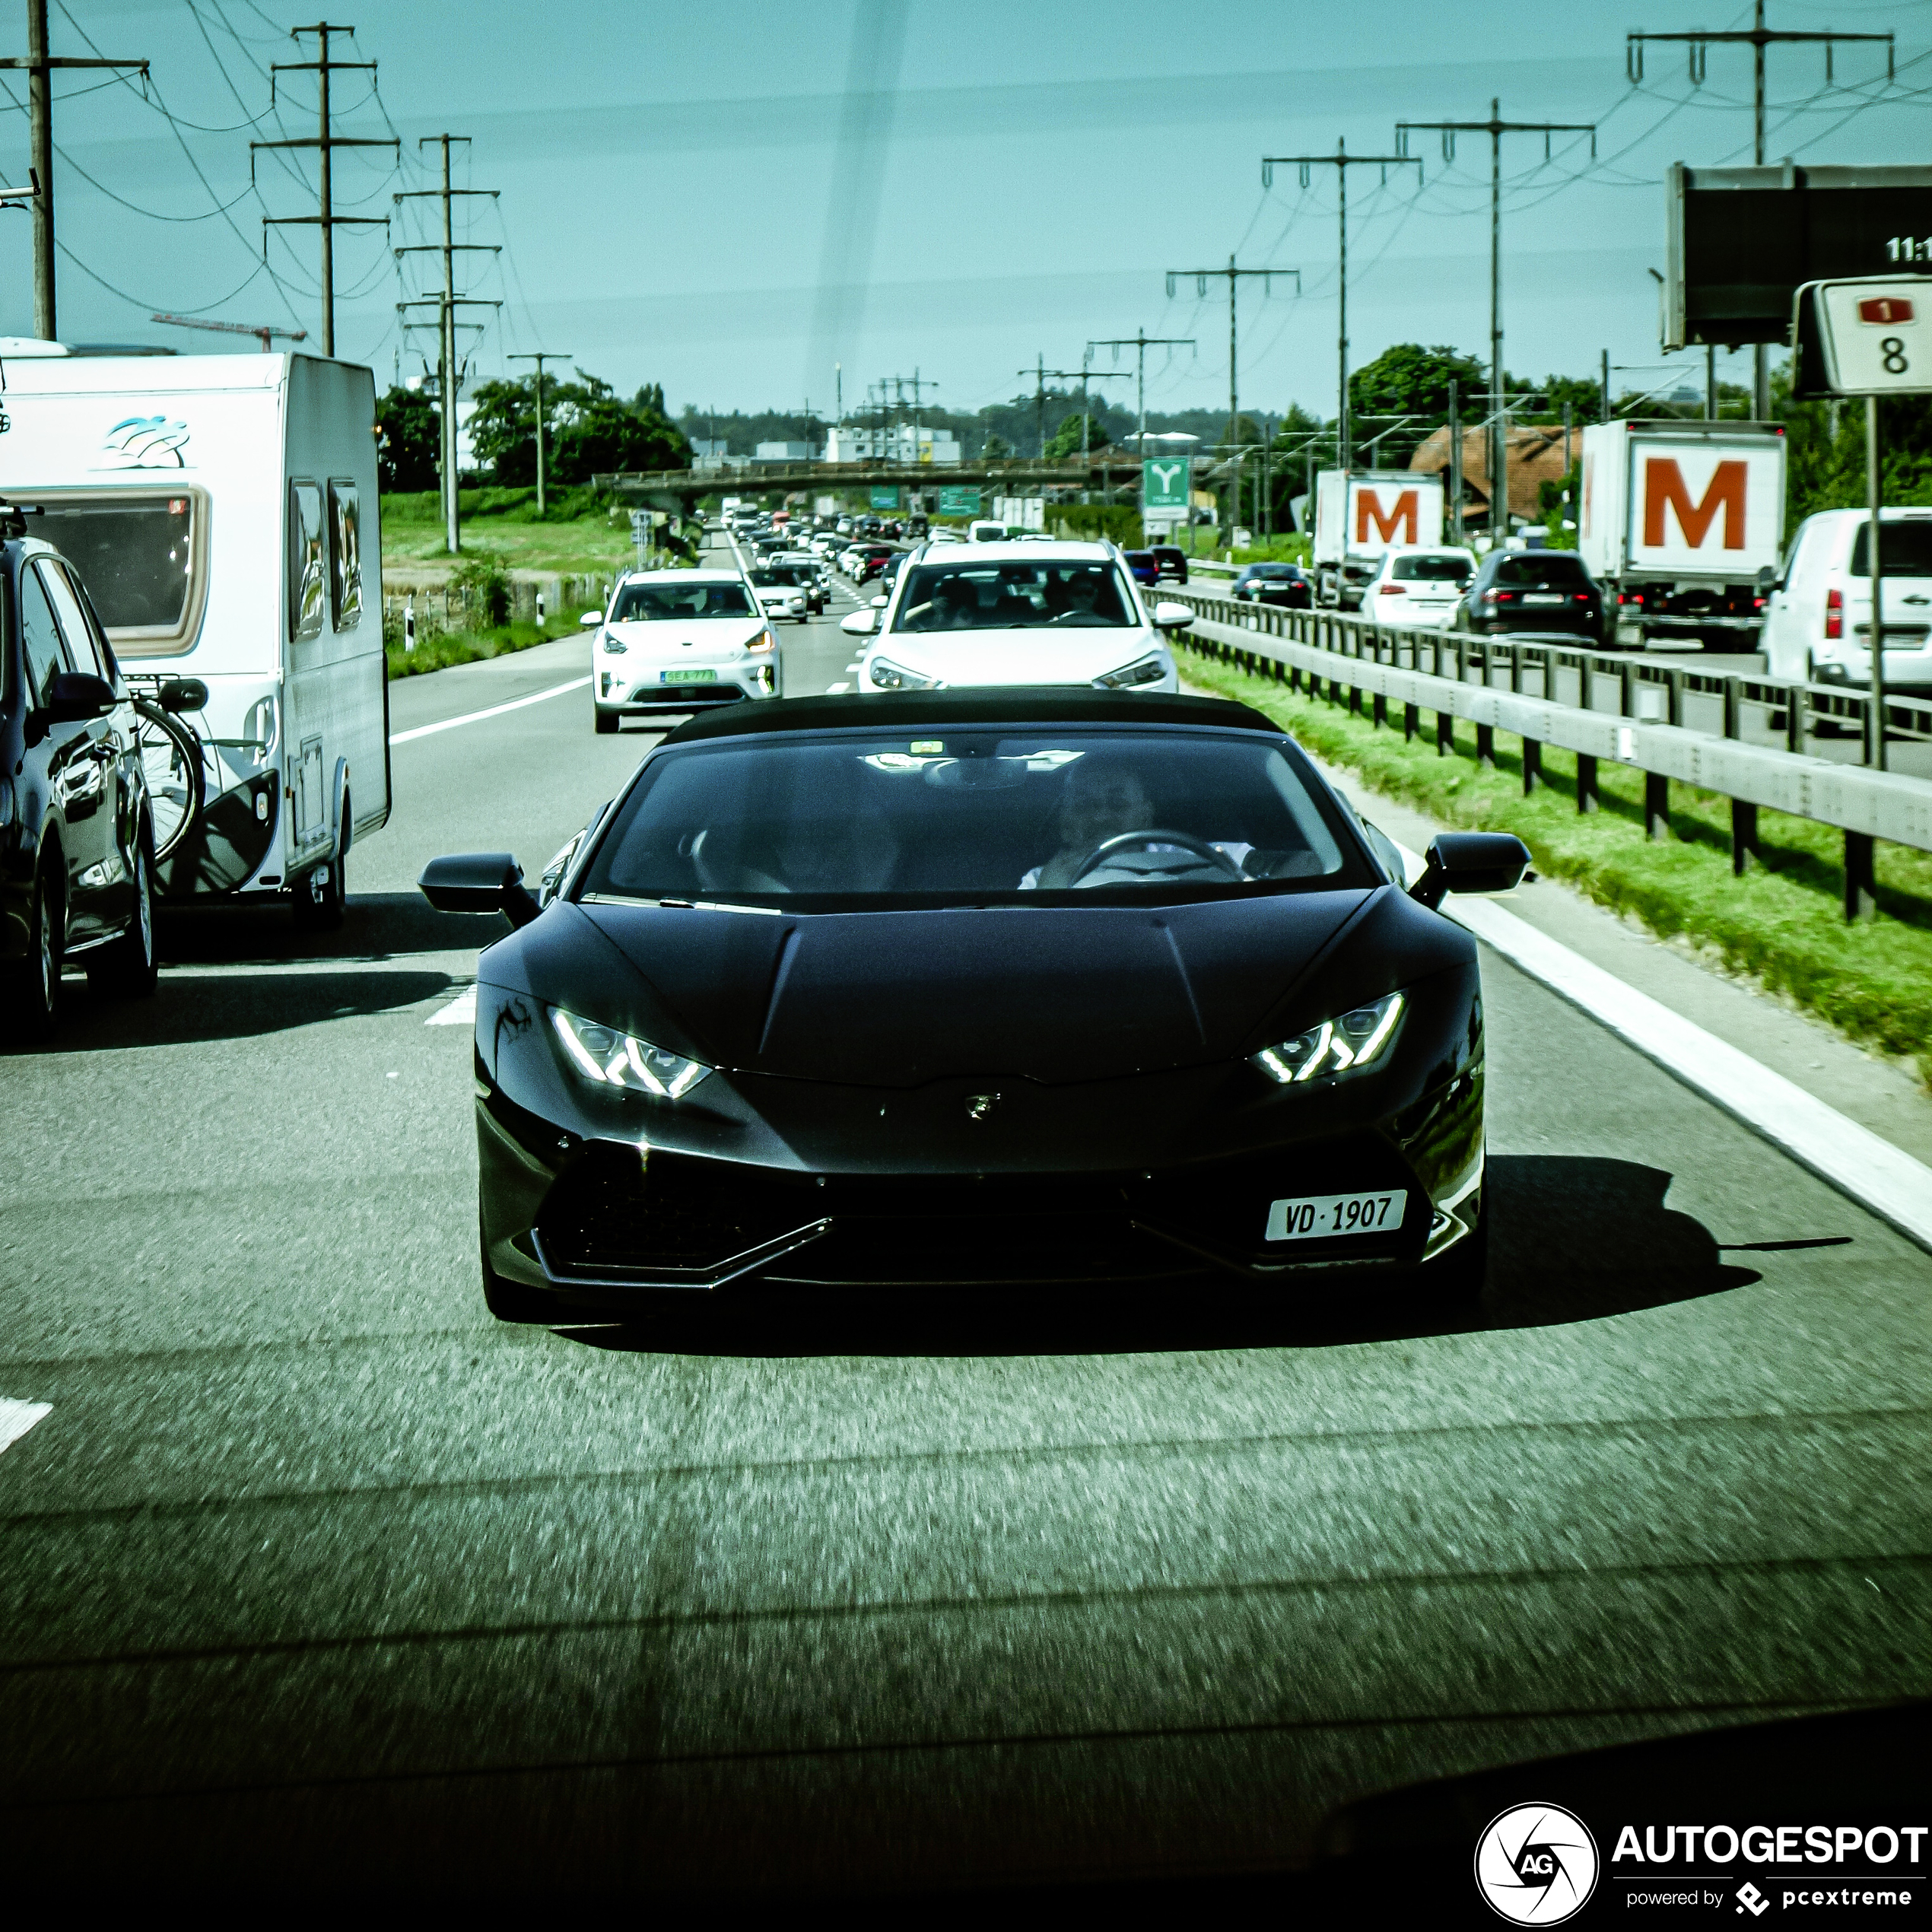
point(222, 512)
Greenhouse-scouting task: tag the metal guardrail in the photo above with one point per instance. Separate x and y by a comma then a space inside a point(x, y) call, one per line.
point(1741, 735)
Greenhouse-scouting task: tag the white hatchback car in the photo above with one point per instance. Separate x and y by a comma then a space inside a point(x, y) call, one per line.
point(1059, 613)
point(1417, 585)
point(679, 640)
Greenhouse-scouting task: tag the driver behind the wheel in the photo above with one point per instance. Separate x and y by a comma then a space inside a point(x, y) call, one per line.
point(1100, 801)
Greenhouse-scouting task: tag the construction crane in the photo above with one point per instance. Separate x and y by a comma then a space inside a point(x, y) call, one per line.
point(261, 329)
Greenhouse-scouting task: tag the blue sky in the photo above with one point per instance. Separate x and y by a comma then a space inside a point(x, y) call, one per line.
point(697, 196)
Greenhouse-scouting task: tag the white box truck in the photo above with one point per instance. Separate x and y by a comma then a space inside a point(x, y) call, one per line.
point(222, 511)
point(1677, 519)
point(1360, 514)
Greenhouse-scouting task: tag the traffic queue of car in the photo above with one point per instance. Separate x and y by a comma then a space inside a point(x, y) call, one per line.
point(1546, 592)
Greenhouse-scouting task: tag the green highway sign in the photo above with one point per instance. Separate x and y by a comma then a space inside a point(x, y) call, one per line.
point(957, 500)
point(885, 496)
point(1164, 483)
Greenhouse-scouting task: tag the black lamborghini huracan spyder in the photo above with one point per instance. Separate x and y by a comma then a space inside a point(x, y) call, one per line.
point(963, 988)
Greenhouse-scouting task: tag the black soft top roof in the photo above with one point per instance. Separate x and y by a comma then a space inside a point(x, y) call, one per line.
point(907, 711)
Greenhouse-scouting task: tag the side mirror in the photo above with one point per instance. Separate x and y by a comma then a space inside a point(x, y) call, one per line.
point(183, 695)
point(860, 624)
point(590, 620)
point(878, 603)
point(479, 881)
point(1767, 581)
point(77, 696)
point(1172, 617)
point(1470, 861)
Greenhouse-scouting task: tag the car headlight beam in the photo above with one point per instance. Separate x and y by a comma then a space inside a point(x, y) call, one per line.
point(1338, 1048)
point(607, 1058)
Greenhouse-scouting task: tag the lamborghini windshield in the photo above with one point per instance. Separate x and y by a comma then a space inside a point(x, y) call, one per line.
point(973, 816)
point(969, 596)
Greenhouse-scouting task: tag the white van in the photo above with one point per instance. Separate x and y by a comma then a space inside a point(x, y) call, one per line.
point(222, 511)
point(1818, 623)
point(985, 532)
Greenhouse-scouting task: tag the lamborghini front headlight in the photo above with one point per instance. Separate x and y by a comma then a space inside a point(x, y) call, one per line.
point(608, 1058)
point(1338, 1049)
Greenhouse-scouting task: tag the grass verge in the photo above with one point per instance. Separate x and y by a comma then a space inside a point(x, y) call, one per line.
point(447, 647)
point(1783, 921)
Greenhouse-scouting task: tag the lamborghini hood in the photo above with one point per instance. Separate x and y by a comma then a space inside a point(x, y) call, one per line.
point(898, 998)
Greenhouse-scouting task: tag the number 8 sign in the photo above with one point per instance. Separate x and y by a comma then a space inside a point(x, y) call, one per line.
point(1875, 334)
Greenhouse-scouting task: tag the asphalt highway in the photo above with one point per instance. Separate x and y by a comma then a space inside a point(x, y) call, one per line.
point(312, 1570)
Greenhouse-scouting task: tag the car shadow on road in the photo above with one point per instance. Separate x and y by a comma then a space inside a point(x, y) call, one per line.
point(305, 978)
point(1574, 1238)
point(375, 925)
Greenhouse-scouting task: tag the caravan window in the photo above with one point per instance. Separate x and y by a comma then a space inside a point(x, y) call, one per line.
point(345, 554)
point(307, 586)
point(143, 556)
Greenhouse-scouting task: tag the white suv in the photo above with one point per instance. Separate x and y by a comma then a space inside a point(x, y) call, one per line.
point(1818, 623)
point(679, 640)
point(1055, 613)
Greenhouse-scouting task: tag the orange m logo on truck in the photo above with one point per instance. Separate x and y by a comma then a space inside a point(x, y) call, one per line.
point(1368, 507)
point(1663, 486)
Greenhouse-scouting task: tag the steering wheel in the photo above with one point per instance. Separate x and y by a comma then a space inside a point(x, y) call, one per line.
point(1120, 841)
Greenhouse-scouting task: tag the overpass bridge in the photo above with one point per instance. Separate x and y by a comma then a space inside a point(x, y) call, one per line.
point(1105, 470)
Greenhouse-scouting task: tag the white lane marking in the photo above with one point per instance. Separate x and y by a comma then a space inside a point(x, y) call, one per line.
point(494, 711)
point(1851, 1158)
point(851, 667)
point(460, 1011)
point(16, 1418)
point(839, 689)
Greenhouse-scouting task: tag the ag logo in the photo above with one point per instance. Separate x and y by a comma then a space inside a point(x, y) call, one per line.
point(1536, 1864)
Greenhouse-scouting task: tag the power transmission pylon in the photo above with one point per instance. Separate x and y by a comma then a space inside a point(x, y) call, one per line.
point(1140, 342)
point(1496, 128)
point(450, 248)
point(1757, 37)
point(40, 66)
point(540, 357)
point(324, 145)
point(1341, 161)
point(1234, 274)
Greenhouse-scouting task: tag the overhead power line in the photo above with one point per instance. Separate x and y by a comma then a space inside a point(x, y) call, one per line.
point(1496, 127)
point(1757, 37)
point(1201, 277)
point(324, 143)
point(40, 66)
point(1341, 161)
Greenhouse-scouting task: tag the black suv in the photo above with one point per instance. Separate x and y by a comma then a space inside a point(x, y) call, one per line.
point(1170, 563)
point(77, 831)
point(1532, 590)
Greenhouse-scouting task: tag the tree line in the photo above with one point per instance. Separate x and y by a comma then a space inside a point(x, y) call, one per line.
point(589, 429)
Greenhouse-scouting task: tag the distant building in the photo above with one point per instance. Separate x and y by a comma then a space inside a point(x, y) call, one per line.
point(702, 447)
point(902, 443)
point(782, 452)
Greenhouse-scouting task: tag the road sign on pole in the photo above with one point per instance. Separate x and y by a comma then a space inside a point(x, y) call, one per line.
point(1870, 337)
point(1165, 482)
point(958, 500)
point(1873, 335)
point(885, 496)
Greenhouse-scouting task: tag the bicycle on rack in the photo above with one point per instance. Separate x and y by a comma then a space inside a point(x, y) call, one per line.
point(172, 756)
